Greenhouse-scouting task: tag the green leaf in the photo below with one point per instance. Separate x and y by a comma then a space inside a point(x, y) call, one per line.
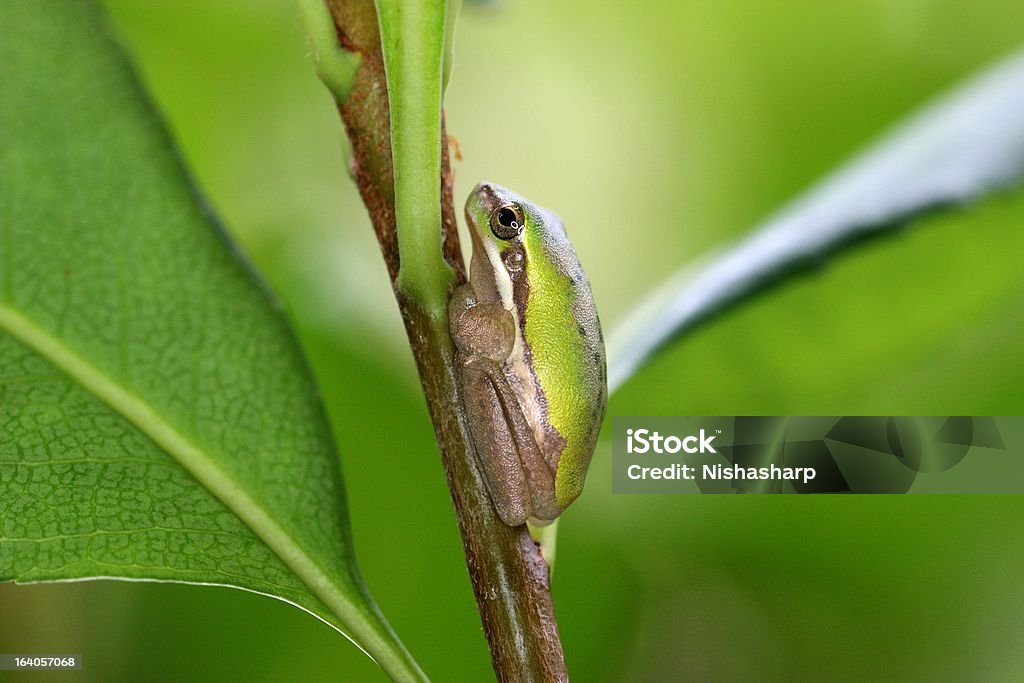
point(967, 144)
point(157, 419)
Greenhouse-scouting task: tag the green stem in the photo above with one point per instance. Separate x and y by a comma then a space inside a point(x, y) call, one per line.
point(412, 37)
point(452, 9)
point(335, 65)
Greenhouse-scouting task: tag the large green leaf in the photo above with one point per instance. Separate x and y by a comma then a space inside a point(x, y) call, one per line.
point(157, 420)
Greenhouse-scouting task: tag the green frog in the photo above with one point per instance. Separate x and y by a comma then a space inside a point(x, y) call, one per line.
point(531, 357)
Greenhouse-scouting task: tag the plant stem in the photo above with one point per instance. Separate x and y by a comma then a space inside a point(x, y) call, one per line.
point(510, 579)
point(412, 36)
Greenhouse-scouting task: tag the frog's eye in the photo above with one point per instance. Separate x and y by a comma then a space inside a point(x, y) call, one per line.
point(507, 221)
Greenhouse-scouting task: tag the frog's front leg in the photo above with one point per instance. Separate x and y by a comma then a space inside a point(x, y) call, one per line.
point(518, 478)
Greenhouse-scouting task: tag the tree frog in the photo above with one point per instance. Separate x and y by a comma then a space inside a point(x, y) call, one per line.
point(530, 354)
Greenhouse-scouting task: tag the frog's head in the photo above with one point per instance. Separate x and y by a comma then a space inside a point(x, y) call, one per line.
point(509, 234)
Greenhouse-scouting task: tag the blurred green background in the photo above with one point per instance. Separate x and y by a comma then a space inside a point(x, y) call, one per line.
point(658, 131)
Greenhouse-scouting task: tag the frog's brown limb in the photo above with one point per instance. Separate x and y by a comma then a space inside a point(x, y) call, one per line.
point(495, 445)
point(516, 459)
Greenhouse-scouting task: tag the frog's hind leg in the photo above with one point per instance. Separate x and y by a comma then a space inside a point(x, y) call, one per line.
point(519, 479)
point(521, 451)
point(495, 448)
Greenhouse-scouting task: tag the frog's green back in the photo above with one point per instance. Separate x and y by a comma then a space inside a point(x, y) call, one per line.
point(566, 347)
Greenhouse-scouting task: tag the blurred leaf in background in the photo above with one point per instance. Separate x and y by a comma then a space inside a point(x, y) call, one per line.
point(657, 133)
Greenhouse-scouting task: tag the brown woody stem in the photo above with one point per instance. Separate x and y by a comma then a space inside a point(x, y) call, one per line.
point(510, 579)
